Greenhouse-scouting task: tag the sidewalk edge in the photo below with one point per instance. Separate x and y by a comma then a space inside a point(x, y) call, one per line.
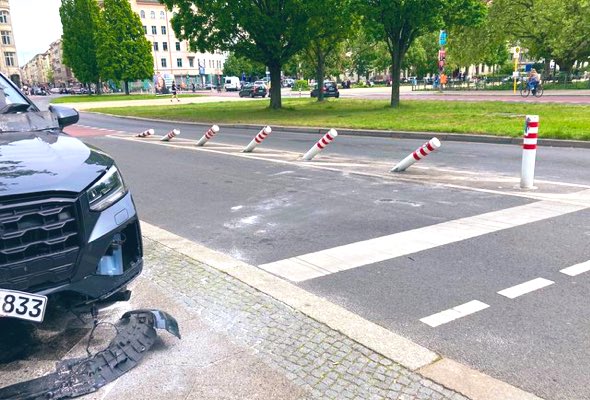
point(453, 137)
point(413, 356)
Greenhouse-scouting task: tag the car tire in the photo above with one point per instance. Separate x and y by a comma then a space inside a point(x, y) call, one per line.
point(251, 95)
point(337, 95)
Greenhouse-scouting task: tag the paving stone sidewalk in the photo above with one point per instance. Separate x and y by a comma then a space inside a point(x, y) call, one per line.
point(320, 360)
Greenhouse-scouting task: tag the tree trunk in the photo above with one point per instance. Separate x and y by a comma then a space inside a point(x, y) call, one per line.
point(395, 74)
point(319, 76)
point(98, 87)
point(126, 88)
point(275, 85)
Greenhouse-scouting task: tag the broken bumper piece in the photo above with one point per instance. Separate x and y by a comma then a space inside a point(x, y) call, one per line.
point(136, 333)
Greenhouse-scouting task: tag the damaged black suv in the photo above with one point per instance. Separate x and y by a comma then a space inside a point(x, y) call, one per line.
point(68, 225)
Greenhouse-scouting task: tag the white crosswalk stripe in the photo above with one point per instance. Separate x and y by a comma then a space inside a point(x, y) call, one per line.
point(526, 287)
point(454, 313)
point(341, 258)
point(576, 269)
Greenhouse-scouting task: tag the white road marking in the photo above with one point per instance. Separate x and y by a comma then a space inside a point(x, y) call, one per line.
point(576, 269)
point(324, 262)
point(526, 287)
point(454, 313)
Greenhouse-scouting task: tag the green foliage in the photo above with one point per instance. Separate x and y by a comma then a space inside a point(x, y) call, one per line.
point(79, 19)
point(124, 54)
point(234, 66)
point(400, 22)
point(547, 29)
point(421, 58)
point(300, 85)
point(268, 32)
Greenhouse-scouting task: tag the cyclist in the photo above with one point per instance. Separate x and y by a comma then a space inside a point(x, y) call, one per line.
point(534, 79)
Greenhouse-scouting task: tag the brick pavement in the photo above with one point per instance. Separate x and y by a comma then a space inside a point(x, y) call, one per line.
point(320, 360)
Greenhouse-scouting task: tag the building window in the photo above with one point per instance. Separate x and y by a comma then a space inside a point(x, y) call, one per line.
point(191, 62)
point(145, 29)
point(163, 30)
point(156, 46)
point(210, 63)
point(165, 46)
point(9, 59)
point(152, 14)
point(162, 15)
point(163, 61)
point(179, 62)
point(142, 14)
point(5, 37)
point(177, 46)
point(154, 30)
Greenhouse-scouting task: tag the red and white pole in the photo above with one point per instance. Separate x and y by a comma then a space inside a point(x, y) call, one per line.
point(146, 133)
point(170, 135)
point(320, 145)
point(264, 132)
point(529, 151)
point(208, 135)
point(417, 155)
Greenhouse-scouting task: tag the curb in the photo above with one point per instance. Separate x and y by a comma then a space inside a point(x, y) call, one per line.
point(449, 373)
point(453, 137)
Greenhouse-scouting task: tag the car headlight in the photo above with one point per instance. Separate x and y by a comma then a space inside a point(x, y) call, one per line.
point(107, 190)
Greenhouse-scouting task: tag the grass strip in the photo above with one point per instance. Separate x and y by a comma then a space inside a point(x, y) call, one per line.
point(113, 97)
point(560, 121)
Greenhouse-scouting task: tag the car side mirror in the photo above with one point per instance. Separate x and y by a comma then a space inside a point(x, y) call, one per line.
point(65, 116)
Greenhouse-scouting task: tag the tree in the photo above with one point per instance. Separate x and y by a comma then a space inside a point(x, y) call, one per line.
point(124, 54)
point(79, 19)
point(421, 57)
point(269, 32)
point(235, 66)
point(331, 24)
point(400, 22)
point(556, 29)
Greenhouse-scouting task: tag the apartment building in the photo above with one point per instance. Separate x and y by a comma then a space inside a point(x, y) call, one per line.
point(172, 57)
point(36, 72)
point(8, 59)
point(62, 75)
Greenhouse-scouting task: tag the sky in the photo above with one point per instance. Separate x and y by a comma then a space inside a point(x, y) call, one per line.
point(36, 24)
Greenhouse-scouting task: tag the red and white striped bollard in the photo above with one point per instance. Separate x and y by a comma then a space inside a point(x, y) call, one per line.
point(208, 135)
point(320, 145)
point(146, 133)
point(529, 151)
point(173, 133)
point(417, 155)
point(264, 132)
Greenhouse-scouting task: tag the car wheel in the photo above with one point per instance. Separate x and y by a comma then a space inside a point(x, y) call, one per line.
point(337, 95)
point(263, 96)
point(251, 95)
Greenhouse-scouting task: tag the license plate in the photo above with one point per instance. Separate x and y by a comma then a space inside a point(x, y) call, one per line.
point(22, 305)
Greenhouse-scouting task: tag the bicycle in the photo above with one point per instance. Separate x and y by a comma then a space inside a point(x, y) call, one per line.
point(526, 89)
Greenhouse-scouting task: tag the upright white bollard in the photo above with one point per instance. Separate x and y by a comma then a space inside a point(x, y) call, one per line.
point(264, 132)
point(319, 146)
point(146, 133)
point(529, 151)
point(170, 135)
point(417, 155)
point(208, 135)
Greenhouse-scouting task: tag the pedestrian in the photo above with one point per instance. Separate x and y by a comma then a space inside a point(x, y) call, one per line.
point(174, 93)
point(443, 81)
point(193, 87)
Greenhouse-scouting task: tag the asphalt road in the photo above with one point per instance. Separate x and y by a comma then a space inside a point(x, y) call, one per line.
point(269, 207)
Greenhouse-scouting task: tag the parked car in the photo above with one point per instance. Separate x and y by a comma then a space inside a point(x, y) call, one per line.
point(254, 89)
point(288, 82)
point(232, 83)
point(38, 91)
point(70, 231)
point(330, 89)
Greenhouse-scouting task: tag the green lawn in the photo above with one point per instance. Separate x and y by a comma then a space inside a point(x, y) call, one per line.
point(494, 118)
point(112, 97)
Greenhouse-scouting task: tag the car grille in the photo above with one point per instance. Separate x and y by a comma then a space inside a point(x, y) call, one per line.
point(39, 242)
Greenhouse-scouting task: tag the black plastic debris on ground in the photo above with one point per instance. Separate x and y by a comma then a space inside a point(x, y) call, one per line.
point(136, 334)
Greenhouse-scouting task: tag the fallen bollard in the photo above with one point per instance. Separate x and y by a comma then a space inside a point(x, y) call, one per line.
point(417, 155)
point(264, 132)
point(208, 135)
point(146, 133)
point(529, 151)
point(173, 133)
point(320, 145)
point(136, 334)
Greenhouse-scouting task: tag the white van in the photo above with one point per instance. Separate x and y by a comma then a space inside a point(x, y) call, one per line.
point(232, 83)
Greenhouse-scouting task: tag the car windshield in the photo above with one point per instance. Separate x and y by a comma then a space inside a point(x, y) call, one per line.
point(18, 115)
